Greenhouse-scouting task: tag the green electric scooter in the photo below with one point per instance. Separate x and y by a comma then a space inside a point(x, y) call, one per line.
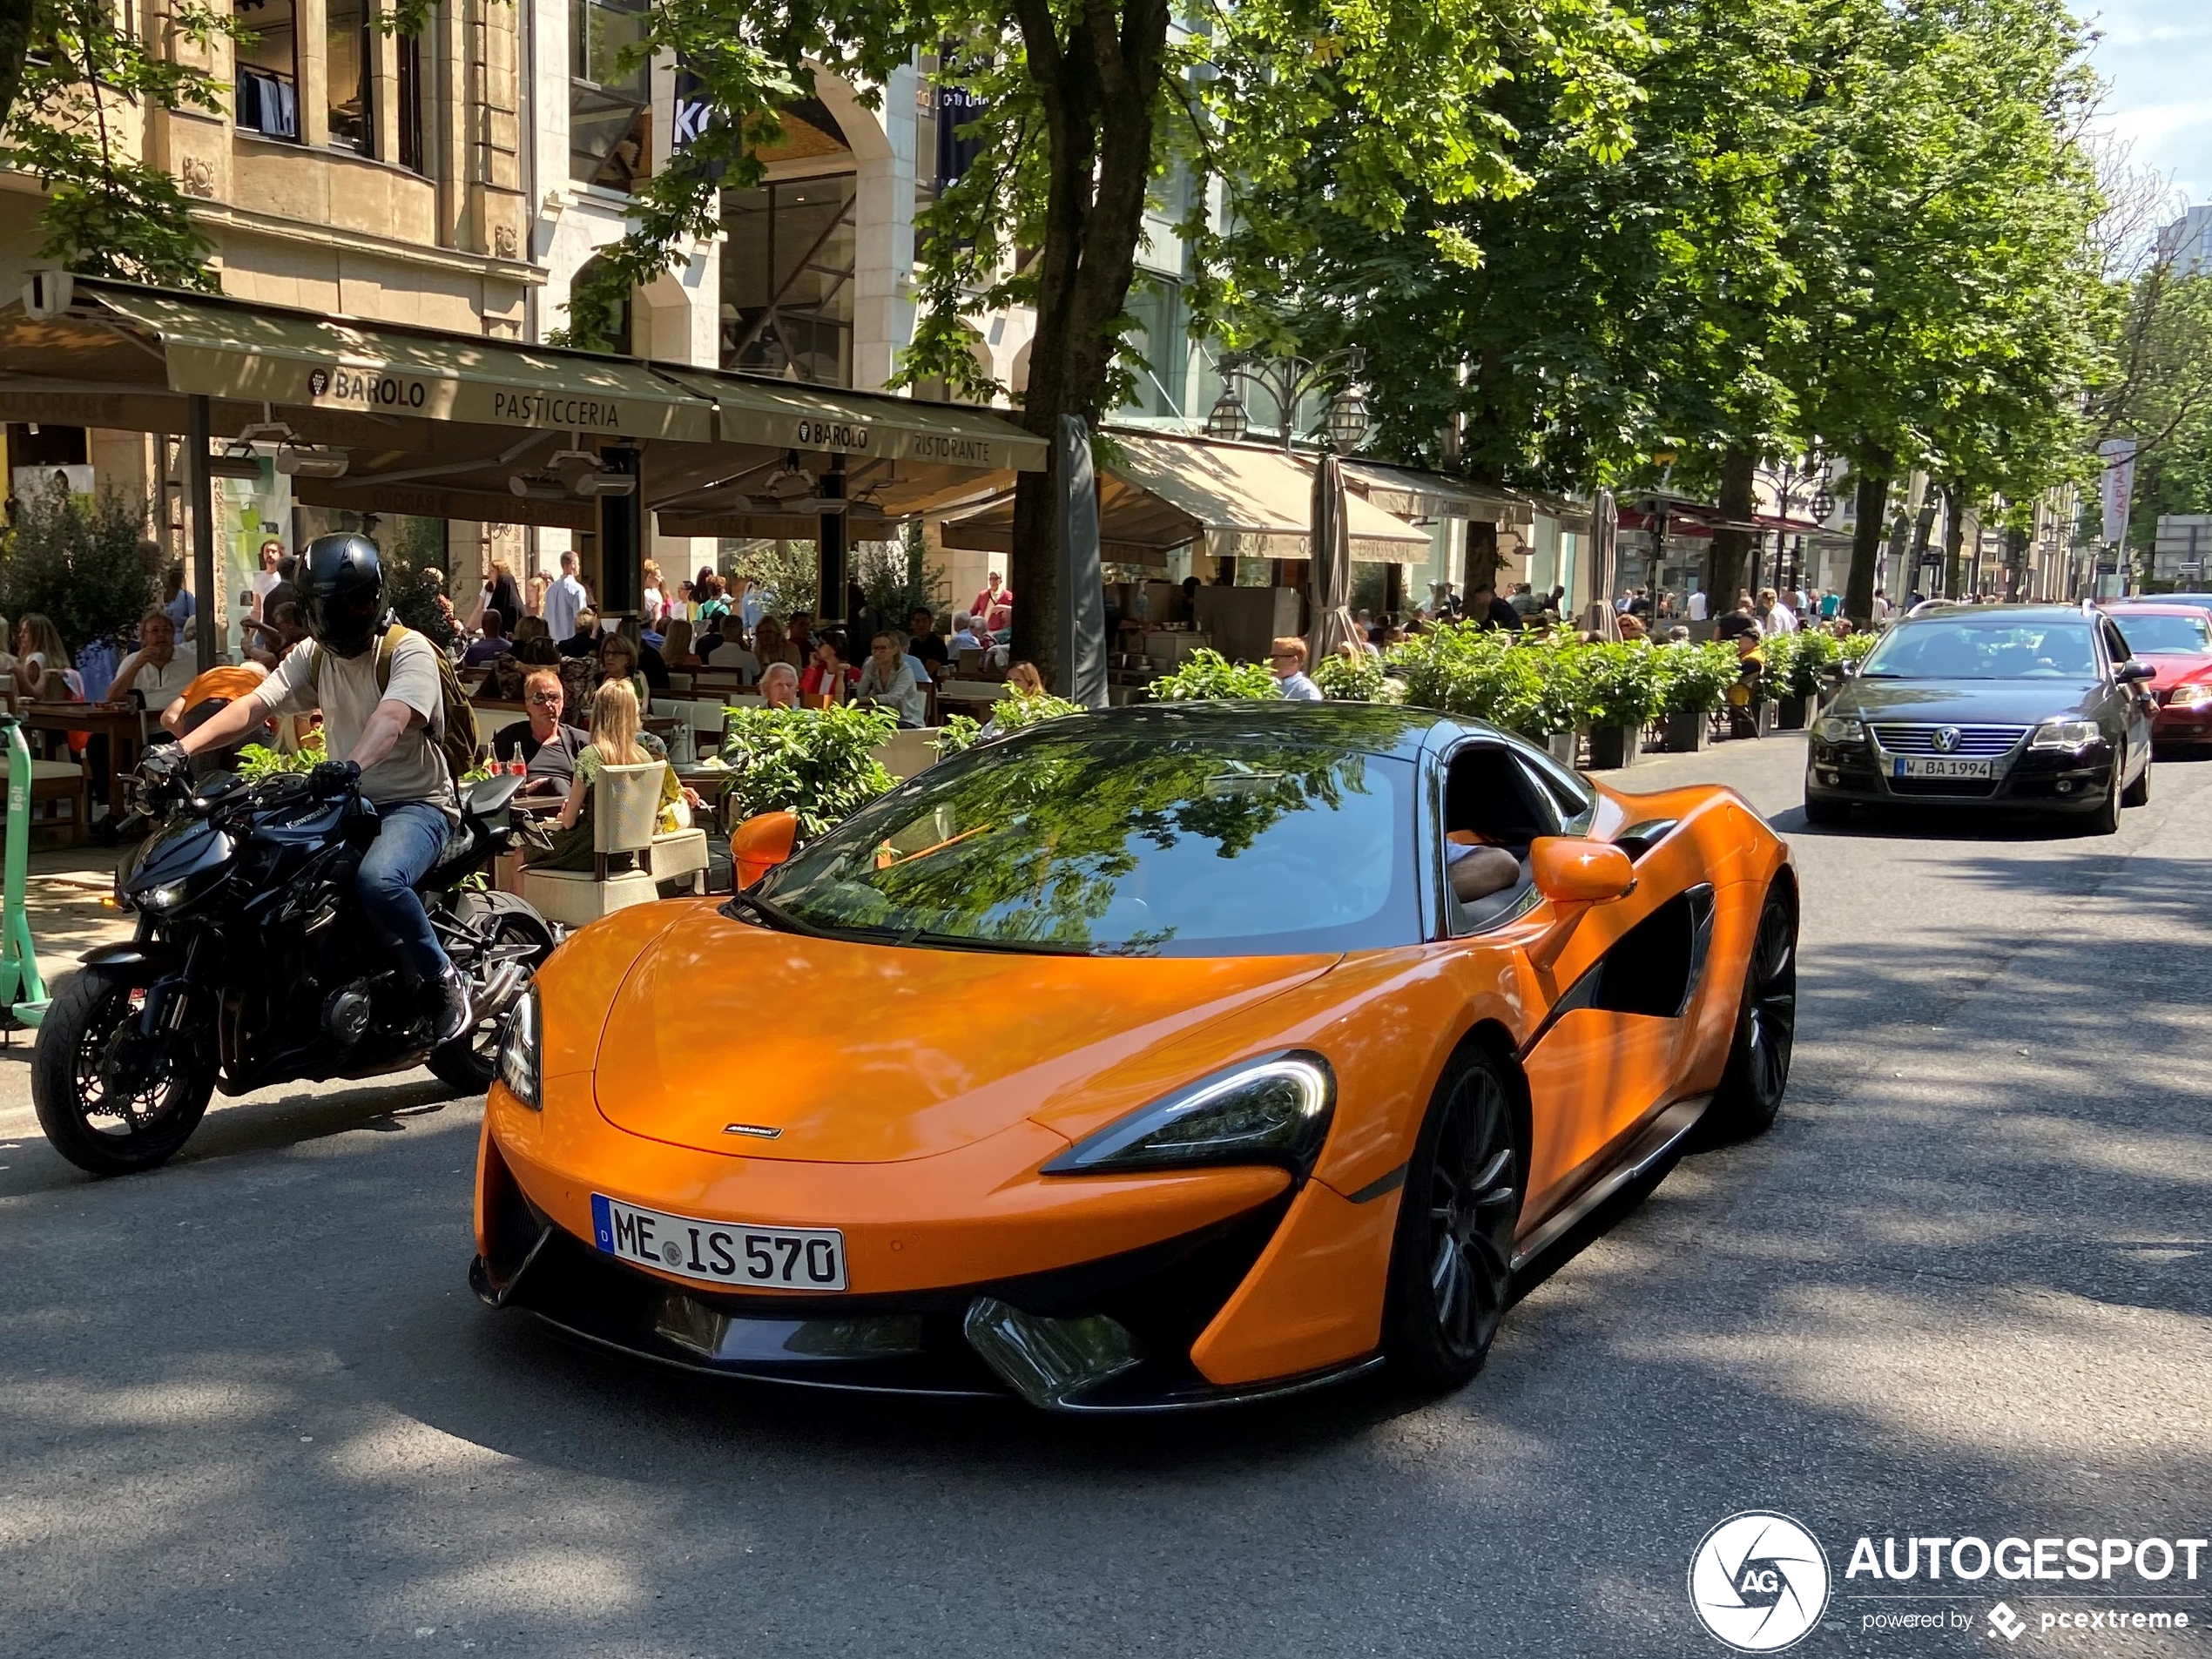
point(23, 993)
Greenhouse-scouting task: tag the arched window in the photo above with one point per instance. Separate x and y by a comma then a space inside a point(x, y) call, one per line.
point(609, 331)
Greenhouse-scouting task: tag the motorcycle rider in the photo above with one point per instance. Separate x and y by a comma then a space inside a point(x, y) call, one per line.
point(386, 737)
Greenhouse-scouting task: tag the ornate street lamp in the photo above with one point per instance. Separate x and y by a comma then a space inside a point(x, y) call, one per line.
point(1287, 381)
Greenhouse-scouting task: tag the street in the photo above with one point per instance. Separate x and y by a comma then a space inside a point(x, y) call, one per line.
point(251, 1406)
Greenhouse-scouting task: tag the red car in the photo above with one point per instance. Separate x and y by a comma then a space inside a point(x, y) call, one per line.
point(2176, 640)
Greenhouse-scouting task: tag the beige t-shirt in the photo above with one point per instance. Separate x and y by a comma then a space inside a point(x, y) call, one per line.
point(415, 770)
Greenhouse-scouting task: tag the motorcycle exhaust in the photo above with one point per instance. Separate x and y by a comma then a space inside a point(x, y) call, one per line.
point(501, 990)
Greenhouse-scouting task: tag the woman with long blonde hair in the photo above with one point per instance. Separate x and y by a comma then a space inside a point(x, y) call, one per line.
point(43, 665)
point(676, 645)
point(615, 741)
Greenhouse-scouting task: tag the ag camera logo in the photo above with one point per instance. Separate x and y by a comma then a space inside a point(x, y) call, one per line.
point(1759, 1581)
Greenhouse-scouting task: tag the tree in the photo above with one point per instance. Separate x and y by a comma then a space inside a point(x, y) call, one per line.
point(1085, 103)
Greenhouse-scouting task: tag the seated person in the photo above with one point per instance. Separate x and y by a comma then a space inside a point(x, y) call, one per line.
point(887, 677)
point(159, 670)
point(584, 641)
point(614, 742)
point(545, 743)
point(779, 686)
point(924, 645)
point(965, 636)
point(209, 692)
point(493, 643)
point(1475, 868)
point(729, 650)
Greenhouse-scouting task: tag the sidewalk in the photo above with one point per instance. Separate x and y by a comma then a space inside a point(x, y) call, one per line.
point(63, 896)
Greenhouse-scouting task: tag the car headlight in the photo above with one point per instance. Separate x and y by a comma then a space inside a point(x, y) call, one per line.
point(518, 1053)
point(2188, 697)
point(1839, 728)
point(1275, 1110)
point(2065, 734)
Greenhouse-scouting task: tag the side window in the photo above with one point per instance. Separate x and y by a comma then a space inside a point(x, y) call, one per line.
point(1568, 793)
point(1492, 809)
point(2115, 645)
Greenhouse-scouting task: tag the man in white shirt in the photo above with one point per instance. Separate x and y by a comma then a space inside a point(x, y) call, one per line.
point(966, 637)
point(1775, 617)
point(159, 670)
point(1696, 609)
point(1286, 659)
point(388, 733)
point(733, 652)
point(563, 599)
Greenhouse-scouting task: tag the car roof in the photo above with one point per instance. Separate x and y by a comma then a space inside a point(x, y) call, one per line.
point(2160, 607)
point(1371, 728)
point(1953, 612)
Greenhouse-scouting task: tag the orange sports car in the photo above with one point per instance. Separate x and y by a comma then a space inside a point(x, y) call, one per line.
point(1161, 1057)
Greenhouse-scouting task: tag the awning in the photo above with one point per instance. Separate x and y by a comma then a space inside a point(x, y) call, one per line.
point(1416, 492)
point(1158, 493)
point(457, 426)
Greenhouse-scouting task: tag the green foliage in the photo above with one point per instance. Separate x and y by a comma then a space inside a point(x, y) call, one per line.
point(1857, 647)
point(1694, 679)
point(787, 574)
point(1343, 679)
point(1797, 664)
point(1620, 683)
point(1207, 675)
point(2159, 392)
point(414, 582)
point(1533, 687)
point(91, 567)
point(957, 735)
point(897, 580)
point(76, 114)
point(816, 763)
point(1012, 713)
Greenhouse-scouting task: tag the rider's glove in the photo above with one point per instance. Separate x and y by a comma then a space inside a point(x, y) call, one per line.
point(166, 763)
point(334, 777)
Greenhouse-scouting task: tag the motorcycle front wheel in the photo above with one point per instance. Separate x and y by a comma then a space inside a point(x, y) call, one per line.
point(111, 1101)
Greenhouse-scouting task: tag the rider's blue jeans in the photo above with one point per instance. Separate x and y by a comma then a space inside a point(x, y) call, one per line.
point(409, 837)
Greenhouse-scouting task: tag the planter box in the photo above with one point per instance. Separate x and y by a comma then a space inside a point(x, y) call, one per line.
point(1794, 714)
point(1686, 733)
point(1564, 747)
point(1612, 747)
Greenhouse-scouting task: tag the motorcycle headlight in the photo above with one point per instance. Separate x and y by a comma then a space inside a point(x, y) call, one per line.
point(1274, 1109)
point(518, 1053)
point(2065, 734)
point(1839, 728)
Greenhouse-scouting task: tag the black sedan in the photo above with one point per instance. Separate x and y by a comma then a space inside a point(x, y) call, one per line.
point(2027, 708)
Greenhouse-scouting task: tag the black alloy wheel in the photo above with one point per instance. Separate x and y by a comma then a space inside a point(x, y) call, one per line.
point(471, 1060)
point(1451, 1267)
point(112, 1101)
point(1766, 1028)
point(2105, 820)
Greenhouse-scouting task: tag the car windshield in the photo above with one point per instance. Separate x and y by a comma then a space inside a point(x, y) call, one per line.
point(1962, 648)
point(2155, 635)
point(1125, 846)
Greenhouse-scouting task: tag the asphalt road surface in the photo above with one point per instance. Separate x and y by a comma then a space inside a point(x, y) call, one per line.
point(247, 1404)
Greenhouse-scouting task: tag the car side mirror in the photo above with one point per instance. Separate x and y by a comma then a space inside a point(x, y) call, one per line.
point(759, 844)
point(1569, 870)
point(1847, 668)
point(2135, 669)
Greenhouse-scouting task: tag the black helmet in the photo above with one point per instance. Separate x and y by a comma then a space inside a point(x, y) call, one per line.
point(341, 592)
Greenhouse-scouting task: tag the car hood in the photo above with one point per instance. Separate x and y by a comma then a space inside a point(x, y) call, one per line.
point(859, 1053)
point(1965, 702)
point(2176, 668)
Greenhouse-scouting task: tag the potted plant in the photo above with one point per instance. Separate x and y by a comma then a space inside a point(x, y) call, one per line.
point(1806, 659)
point(1620, 689)
point(817, 764)
point(1693, 687)
point(1207, 676)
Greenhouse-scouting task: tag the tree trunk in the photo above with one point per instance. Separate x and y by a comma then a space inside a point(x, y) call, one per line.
point(1724, 559)
point(1866, 539)
point(14, 43)
point(1954, 538)
point(1907, 580)
point(1924, 531)
point(1481, 568)
point(1099, 164)
point(2015, 562)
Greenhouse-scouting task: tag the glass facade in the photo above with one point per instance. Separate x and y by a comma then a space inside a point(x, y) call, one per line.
point(787, 280)
point(610, 109)
point(352, 105)
point(267, 99)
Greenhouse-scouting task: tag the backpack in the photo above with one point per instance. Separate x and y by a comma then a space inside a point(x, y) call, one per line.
point(456, 735)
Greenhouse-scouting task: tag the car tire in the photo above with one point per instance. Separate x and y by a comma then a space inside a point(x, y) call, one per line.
point(2138, 793)
point(2106, 819)
point(1451, 1266)
point(1827, 814)
point(1758, 1072)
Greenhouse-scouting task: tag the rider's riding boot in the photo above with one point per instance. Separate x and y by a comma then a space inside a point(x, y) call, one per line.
point(449, 997)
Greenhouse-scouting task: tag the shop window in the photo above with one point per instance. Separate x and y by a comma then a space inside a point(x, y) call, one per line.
point(349, 55)
point(266, 97)
point(1158, 350)
point(610, 108)
point(787, 281)
point(614, 327)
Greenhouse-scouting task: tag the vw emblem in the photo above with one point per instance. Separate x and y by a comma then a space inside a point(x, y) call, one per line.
point(1947, 739)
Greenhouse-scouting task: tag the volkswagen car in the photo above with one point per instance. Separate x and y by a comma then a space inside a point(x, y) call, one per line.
point(2175, 639)
point(1155, 1058)
point(2018, 709)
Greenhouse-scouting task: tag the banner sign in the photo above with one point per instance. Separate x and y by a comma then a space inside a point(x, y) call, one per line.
point(2119, 456)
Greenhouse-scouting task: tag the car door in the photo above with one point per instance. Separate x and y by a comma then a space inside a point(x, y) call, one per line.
point(1610, 1047)
point(2136, 706)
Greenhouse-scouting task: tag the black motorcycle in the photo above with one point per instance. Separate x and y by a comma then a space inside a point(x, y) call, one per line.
point(253, 963)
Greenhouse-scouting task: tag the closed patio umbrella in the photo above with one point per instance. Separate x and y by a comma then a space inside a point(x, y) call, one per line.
point(1600, 619)
point(1331, 569)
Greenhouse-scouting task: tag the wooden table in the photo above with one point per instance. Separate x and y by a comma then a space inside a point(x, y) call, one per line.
point(120, 723)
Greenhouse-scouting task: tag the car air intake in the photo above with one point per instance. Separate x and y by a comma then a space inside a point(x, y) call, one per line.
point(1048, 1362)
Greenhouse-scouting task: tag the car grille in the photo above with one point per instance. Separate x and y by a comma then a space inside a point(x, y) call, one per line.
point(1980, 742)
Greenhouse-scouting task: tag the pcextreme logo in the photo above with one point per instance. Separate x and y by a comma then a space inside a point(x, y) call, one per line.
point(1759, 1581)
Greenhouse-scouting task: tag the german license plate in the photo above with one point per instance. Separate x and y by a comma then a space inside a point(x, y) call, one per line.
point(1936, 766)
point(720, 1253)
